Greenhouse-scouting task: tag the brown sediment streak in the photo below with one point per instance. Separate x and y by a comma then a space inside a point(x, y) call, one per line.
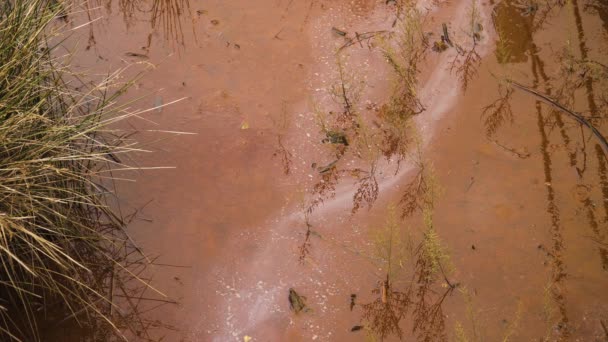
point(557, 246)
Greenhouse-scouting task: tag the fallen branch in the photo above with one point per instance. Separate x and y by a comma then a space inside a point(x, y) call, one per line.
point(579, 118)
point(521, 155)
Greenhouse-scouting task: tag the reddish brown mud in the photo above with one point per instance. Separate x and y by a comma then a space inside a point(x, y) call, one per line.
point(522, 214)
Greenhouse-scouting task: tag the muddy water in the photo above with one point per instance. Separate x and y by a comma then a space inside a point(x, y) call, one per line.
point(521, 213)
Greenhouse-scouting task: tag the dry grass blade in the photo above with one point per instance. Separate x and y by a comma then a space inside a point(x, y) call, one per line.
point(60, 241)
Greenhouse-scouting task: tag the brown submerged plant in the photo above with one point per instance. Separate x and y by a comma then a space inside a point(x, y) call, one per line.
point(467, 61)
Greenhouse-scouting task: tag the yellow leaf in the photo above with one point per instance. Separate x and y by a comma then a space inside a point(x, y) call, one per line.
point(245, 125)
point(246, 338)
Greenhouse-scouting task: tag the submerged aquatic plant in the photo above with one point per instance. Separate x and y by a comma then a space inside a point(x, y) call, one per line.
point(467, 61)
point(409, 49)
point(499, 112)
point(420, 300)
point(64, 253)
point(368, 134)
point(384, 315)
point(426, 264)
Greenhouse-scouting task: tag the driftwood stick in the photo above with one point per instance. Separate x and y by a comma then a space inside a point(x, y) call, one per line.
point(579, 118)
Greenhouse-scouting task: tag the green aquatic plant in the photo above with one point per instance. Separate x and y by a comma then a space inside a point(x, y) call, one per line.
point(367, 134)
point(393, 245)
point(427, 265)
point(471, 331)
point(511, 330)
point(460, 334)
point(404, 52)
point(432, 266)
point(383, 316)
point(346, 132)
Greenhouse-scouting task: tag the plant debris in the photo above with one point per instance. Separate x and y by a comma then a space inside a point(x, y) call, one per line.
point(338, 32)
point(335, 138)
point(297, 302)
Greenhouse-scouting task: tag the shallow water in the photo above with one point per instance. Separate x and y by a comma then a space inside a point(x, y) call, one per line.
point(522, 213)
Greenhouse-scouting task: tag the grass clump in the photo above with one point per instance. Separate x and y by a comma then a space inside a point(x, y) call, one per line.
point(62, 248)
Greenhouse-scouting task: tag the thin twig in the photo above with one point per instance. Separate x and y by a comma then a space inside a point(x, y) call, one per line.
point(361, 37)
point(579, 118)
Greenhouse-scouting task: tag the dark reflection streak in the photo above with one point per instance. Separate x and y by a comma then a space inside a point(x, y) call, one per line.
point(128, 9)
point(544, 14)
point(91, 42)
point(540, 67)
point(572, 156)
point(561, 93)
point(593, 108)
point(601, 7)
point(596, 231)
point(582, 170)
point(163, 15)
point(555, 253)
point(602, 171)
point(543, 75)
point(166, 14)
point(558, 116)
point(585, 56)
point(601, 235)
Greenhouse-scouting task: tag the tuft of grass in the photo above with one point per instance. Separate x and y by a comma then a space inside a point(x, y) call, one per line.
point(63, 250)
